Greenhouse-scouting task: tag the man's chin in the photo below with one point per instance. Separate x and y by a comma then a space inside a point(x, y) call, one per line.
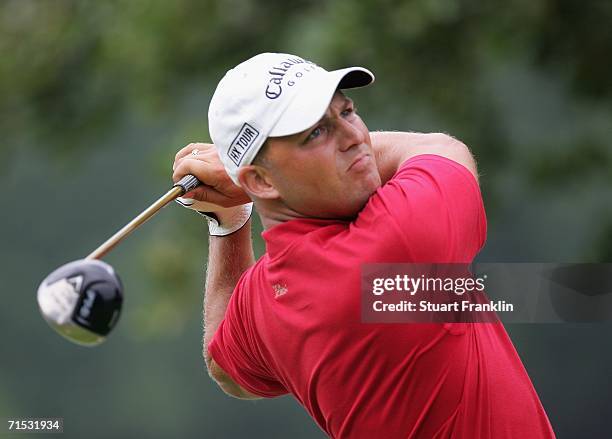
point(357, 206)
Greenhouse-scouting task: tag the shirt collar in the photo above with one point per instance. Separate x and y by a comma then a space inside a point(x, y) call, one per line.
point(281, 236)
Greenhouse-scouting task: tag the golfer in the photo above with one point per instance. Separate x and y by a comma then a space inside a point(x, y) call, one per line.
point(332, 196)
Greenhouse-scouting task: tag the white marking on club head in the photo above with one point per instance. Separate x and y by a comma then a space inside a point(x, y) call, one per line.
point(57, 301)
point(76, 282)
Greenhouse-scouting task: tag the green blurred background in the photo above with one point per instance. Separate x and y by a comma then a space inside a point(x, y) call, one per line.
point(97, 96)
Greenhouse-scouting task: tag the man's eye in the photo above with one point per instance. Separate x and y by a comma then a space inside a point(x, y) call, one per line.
point(348, 111)
point(314, 134)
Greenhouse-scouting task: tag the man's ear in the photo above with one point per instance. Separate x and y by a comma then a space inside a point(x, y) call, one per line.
point(256, 181)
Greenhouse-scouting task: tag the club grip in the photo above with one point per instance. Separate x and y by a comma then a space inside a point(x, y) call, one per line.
point(187, 183)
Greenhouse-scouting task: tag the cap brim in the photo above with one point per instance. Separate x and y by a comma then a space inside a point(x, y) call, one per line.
point(313, 98)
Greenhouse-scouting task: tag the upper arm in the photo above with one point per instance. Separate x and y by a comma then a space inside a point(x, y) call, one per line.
point(394, 148)
point(235, 352)
point(434, 206)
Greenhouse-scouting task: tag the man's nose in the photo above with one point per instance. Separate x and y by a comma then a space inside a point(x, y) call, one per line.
point(350, 135)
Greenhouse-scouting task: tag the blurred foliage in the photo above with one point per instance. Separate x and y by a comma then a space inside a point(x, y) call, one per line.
point(528, 87)
point(96, 97)
point(67, 66)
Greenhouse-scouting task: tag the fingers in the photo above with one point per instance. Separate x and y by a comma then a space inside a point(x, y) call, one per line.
point(210, 195)
point(209, 173)
point(204, 149)
point(217, 187)
point(233, 196)
point(186, 150)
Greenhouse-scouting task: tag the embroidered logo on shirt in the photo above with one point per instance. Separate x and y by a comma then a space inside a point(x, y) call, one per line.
point(279, 289)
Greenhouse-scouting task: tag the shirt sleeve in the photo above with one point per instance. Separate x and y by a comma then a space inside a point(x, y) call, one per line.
point(434, 206)
point(234, 347)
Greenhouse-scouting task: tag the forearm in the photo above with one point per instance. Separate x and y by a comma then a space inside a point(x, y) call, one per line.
point(391, 149)
point(230, 250)
point(228, 257)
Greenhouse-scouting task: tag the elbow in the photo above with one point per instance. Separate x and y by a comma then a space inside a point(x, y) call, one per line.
point(234, 391)
point(458, 151)
point(451, 143)
point(230, 388)
point(217, 374)
point(219, 377)
point(224, 382)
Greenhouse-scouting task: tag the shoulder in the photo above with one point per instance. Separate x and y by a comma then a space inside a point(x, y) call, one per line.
point(431, 203)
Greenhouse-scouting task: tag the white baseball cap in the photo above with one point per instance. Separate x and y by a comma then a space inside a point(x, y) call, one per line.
point(271, 95)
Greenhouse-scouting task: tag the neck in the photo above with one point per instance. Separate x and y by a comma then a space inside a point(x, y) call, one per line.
point(273, 213)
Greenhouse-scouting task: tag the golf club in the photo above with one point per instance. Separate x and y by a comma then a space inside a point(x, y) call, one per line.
point(82, 299)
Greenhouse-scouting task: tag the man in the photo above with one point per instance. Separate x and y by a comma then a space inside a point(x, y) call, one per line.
point(332, 196)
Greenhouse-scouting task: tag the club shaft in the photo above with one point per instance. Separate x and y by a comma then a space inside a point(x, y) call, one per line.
point(111, 242)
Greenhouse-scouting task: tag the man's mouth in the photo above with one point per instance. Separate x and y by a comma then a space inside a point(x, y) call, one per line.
point(360, 162)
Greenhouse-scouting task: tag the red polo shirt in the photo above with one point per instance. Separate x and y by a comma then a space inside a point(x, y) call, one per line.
point(293, 322)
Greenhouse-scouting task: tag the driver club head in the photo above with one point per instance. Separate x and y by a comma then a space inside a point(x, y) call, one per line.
point(82, 300)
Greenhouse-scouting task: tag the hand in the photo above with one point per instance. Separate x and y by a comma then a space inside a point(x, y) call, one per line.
point(217, 187)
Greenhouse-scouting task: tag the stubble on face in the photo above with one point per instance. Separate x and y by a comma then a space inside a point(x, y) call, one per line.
point(330, 176)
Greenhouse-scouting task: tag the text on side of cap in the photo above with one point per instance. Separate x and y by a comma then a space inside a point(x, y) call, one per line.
point(242, 143)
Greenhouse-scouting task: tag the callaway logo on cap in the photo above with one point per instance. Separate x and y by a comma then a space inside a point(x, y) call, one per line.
point(271, 95)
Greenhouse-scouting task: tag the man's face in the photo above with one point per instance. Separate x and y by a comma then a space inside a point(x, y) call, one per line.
point(328, 170)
